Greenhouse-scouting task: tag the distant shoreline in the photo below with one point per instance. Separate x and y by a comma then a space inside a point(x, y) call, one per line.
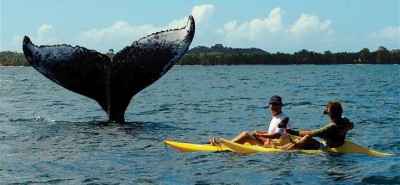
point(220, 55)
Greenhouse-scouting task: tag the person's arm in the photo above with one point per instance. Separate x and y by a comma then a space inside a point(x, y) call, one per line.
point(259, 132)
point(321, 132)
point(304, 133)
point(300, 132)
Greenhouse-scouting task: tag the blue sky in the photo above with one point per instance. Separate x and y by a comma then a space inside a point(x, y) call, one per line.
point(274, 26)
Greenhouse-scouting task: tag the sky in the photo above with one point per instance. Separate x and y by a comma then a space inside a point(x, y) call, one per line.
point(272, 25)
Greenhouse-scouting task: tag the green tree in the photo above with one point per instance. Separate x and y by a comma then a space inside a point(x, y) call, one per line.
point(395, 56)
point(9, 58)
point(365, 56)
point(382, 55)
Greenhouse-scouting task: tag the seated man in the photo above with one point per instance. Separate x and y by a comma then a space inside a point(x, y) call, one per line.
point(265, 138)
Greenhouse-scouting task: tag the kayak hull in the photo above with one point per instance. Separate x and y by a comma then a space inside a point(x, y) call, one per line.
point(348, 147)
point(192, 147)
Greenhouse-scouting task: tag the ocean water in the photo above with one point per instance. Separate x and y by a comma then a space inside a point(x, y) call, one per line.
point(49, 135)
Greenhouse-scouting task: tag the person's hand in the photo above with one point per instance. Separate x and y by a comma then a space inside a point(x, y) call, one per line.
point(267, 143)
point(255, 133)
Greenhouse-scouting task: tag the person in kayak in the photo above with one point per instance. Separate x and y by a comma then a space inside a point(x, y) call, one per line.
point(333, 134)
point(265, 138)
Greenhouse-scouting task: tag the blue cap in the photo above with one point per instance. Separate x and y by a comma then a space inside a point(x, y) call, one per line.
point(275, 99)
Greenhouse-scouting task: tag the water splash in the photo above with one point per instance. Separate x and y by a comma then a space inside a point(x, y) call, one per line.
point(43, 119)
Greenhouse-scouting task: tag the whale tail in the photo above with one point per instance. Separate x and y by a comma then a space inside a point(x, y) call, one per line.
point(112, 83)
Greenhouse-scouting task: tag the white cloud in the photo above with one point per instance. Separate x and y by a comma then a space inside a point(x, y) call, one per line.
point(230, 26)
point(272, 32)
point(202, 13)
point(45, 35)
point(309, 25)
point(388, 33)
point(122, 34)
point(42, 31)
point(254, 29)
point(116, 36)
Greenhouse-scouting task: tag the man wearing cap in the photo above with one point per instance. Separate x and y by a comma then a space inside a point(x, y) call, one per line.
point(265, 138)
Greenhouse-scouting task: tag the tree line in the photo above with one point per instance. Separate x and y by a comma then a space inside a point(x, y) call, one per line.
point(9, 58)
point(220, 55)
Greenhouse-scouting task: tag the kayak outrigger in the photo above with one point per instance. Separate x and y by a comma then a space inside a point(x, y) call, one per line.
point(348, 147)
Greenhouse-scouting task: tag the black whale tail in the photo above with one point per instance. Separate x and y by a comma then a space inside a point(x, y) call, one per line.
point(111, 83)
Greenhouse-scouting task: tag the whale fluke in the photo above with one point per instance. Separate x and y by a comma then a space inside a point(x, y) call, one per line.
point(112, 83)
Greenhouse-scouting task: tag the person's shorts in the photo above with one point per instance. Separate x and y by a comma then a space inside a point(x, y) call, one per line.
point(323, 145)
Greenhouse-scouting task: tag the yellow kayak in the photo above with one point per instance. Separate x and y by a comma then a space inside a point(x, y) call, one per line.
point(347, 148)
point(226, 145)
point(192, 147)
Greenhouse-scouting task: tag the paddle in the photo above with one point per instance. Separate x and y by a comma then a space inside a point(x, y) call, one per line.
point(283, 124)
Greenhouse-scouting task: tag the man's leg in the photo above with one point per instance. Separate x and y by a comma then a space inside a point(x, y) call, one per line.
point(246, 137)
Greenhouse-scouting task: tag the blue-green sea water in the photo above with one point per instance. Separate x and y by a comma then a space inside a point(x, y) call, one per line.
point(49, 135)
